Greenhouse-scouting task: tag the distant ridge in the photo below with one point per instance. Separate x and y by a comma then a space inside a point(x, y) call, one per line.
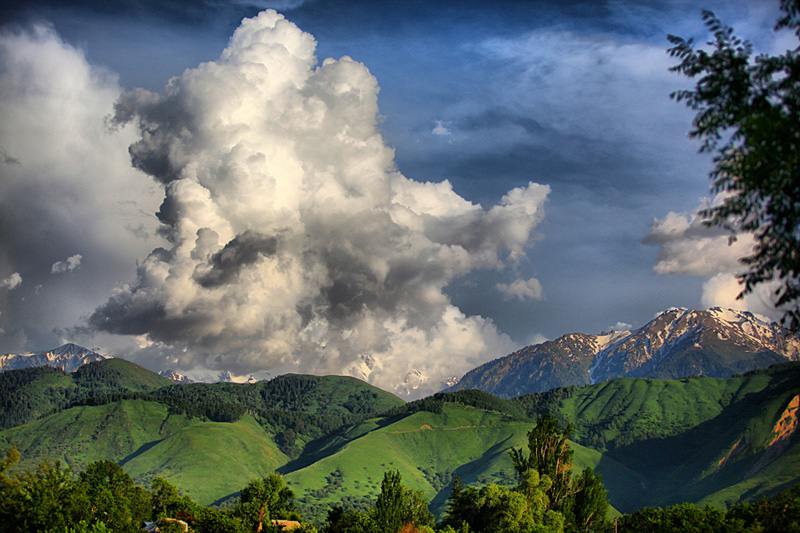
point(677, 343)
point(68, 357)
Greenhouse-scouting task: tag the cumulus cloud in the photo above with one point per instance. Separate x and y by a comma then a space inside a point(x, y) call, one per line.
point(522, 289)
point(11, 282)
point(687, 246)
point(293, 241)
point(68, 265)
point(723, 290)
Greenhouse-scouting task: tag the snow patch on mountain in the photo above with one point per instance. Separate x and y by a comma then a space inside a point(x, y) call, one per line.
point(175, 377)
point(68, 358)
point(679, 328)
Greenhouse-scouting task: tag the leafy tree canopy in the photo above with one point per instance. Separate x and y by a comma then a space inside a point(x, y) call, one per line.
point(548, 467)
point(748, 115)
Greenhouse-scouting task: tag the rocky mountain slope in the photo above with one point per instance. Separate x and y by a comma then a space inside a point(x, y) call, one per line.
point(676, 343)
point(68, 358)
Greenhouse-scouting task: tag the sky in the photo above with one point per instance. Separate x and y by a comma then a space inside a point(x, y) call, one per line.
point(398, 191)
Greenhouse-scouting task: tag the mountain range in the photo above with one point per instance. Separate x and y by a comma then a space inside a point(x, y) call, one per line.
point(676, 343)
point(655, 441)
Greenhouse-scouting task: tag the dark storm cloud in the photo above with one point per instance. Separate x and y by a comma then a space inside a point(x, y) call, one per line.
point(175, 11)
point(243, 250)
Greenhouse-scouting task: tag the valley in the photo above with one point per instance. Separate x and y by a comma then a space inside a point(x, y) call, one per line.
point(655, 442)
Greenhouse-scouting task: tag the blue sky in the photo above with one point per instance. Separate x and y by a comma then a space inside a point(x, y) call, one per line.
point(570, 96)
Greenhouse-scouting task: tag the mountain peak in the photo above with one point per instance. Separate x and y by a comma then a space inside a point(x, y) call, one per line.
point(677, 342)
point(68, 357)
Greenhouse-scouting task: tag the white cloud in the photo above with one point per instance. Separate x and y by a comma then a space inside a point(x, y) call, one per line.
point(294, 243)
point(522, 289)
point(440, 129)
point(11, 282)
point(723, 290)
point(621, 326)
point(68, 265)
point(687, 246)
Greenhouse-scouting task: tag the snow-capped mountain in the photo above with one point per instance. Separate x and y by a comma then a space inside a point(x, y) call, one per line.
point(676, 343)
point(68, 358)
point(716, 342)
point(226, 377)
point(174, 376)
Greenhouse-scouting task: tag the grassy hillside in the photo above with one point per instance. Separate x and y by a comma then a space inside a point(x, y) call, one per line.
point(29, 393)
point(117, 374)
point(695, 439)
point(655, 442)
point(428, 449)
point(206, 460)
point(298, 409)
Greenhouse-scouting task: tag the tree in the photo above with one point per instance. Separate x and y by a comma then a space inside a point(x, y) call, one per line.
point(548, 467)
point(113, 497)
point(590, 502)
point(44, 499)
point(496, 509)
point(264, 499)
point(341, 521)
point(549, 455)
point(749, 116)
point(396, 505)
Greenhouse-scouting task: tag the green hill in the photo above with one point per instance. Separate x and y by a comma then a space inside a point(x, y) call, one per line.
point(29, 393)
point(429, 450)
point(696, 439)
point(206, 460)
point(655, 442)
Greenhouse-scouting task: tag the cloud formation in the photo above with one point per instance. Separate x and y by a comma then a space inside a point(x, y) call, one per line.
point(522, 289)
point(11, 282)
point(687, 246)
point(68, 265)
point(67, 184)
point(293, 242)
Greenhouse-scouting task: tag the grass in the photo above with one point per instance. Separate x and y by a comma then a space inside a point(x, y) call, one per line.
point(654, 442)
point(206, 460)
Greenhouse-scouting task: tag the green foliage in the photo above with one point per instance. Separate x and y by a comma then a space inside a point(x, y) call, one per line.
point(28, 393)
point(749, 116)
point(496, 509)
point(582, 501)
point(472, 398)
point(341, 521)
point(589, 506)
point(780, 514)
point(683, 518)
point(42, 499)
point(113, 496)
point(265, 499)
point(550, 455)
point(396, 505)
point(103, 498)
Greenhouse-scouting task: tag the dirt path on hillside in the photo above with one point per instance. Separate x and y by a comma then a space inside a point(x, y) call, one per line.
point(426, 427)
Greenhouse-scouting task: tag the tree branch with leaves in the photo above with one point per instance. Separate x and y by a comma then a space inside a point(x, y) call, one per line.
point(748, 116)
